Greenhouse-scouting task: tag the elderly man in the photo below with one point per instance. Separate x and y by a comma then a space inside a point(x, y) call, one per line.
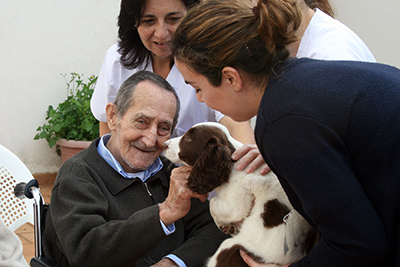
point(119, 203)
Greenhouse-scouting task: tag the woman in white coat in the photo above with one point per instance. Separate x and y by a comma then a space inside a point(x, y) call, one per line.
point(145, 29)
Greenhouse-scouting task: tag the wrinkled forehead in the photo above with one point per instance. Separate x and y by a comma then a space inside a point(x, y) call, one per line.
point(149, 96)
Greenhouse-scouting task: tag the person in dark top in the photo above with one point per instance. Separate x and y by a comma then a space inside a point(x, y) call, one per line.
point(330, 130)
point(119, 203)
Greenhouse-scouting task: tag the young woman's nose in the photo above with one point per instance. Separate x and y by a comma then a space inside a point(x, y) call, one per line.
point(199, 97)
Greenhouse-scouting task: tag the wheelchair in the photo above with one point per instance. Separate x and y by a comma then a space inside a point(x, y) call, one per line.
point(31, 190)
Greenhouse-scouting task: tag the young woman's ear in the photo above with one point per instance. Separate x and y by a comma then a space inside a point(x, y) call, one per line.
point(111, 116)
point(232, 77)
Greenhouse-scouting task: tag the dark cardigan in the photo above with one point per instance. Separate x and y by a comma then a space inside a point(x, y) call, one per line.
point(331, 132)
point(99, 218)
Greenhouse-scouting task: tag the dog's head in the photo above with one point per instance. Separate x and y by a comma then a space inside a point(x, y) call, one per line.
point(207, 148)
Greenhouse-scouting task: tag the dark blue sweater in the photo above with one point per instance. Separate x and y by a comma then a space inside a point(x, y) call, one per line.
point(330, 130)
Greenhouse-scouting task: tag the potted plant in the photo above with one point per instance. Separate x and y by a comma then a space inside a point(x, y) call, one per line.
point(72, 122)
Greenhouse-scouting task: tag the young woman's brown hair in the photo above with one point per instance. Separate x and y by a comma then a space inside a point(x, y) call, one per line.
point(252, 39)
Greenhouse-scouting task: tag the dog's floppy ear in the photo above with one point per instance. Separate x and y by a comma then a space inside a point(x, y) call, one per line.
point(212, 168)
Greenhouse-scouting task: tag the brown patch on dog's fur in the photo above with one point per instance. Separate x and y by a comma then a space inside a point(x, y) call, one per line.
point(198, 138)
point(231, 257)
point(273, 214)
point(209, 151)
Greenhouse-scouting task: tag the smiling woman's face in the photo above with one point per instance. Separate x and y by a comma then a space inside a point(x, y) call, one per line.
point(158, 24)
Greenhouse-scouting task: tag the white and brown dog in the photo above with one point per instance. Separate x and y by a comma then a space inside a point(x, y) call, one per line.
point(271, 230)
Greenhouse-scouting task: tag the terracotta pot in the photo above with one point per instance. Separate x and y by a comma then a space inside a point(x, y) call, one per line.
point(71, 147)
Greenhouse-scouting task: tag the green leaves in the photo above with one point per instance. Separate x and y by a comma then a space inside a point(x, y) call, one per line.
point(72, 119)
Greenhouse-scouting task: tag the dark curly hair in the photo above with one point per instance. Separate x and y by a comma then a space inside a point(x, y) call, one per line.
point(133, 52)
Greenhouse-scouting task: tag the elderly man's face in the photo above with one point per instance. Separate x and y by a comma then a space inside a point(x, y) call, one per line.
point(137, 137)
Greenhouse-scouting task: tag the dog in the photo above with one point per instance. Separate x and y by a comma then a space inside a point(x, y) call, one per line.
point(252, 208)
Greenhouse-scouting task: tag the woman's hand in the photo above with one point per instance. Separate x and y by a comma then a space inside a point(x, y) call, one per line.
point(250, 159)
point(252, 263)
point(248, 155)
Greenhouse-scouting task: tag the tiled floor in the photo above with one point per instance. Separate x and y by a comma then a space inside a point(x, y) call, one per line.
point(26, 231)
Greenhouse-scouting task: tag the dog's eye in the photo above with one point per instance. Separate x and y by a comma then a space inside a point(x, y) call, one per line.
point(188, 139)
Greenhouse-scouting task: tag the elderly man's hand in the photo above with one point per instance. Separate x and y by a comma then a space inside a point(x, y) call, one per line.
point(165, 263)
point(177, 203)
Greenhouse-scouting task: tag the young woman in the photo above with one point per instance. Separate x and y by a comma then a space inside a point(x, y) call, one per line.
point(330, 130)
point(146, 28)
point(319, 36)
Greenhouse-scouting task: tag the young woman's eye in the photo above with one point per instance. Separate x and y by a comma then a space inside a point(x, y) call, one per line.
point(198, 91)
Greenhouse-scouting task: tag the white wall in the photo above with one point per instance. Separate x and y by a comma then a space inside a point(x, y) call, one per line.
point(38, 41)
point(43, 38)
point(377, 23)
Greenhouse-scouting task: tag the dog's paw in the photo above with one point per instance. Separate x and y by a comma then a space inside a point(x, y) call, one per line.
point(230, 228)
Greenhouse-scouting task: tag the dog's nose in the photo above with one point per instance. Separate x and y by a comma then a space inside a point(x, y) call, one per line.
point(165, 145)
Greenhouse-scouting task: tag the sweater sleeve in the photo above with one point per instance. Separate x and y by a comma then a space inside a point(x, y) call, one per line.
point(315, 170)
point(10, 248)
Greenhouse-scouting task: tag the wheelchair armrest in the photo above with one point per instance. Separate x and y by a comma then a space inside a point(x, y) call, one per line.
point(42, 262)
